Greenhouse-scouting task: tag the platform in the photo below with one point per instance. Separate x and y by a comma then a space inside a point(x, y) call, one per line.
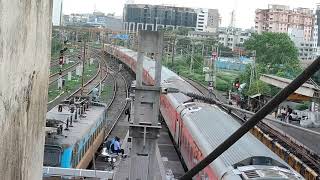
point(170, 161)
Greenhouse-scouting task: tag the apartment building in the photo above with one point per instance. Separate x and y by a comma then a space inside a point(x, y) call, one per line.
point(280, 18)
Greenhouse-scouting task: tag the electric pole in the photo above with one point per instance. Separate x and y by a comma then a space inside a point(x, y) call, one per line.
point(253, 69)
point(202, 50)
point(173, 49)
point(83, 61)
point(191, 64)
point(215, 68)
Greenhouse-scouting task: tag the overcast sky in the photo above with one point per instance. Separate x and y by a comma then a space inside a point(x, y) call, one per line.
point(244, 8)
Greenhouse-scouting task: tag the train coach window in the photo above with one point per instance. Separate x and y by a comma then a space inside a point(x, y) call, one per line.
point(52, 156)
point(261, 161)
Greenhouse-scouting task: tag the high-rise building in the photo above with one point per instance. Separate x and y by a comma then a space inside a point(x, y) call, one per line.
point(316, 34)
point(57, 13)
point(305, 48)
point(280, 18)
point(207, 20)
point(154, 17)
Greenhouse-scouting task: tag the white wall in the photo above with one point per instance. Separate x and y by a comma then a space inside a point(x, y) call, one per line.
point(25, 50)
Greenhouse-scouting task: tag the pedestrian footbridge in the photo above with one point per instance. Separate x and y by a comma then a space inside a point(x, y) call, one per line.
point(305, 92)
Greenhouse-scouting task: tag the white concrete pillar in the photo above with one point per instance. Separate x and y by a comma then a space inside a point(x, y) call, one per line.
point(67, 60)
point(125, 27)
point(25, 48)
point(81, 69)
point(140, 26)
point(60, 83)
point(69, 76)
point(91, 61)
point(158, 26)
point(131, 27)
point(78, 70)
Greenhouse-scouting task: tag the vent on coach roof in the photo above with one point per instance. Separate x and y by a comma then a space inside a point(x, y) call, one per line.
point(189, 105)
point(251, 174)
point(268, 172)
point(194, 109)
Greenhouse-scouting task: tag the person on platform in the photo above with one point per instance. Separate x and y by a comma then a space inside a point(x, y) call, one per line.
point(127, 112)
point(117, 146)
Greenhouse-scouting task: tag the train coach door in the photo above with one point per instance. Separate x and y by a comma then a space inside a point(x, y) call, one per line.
point(177, 132)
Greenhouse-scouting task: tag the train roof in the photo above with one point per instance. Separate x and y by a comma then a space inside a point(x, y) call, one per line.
point(168, 77)
point(210, 126)
point(95, 114)
point(148, 64)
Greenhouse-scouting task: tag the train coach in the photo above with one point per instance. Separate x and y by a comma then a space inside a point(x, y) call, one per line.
point(73, 134)
point(198, 128)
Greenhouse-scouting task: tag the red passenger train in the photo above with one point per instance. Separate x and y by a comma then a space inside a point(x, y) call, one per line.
point(198, 128)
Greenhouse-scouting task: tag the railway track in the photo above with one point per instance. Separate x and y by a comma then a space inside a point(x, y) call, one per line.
point(56, 61)
point(309, 165)
point(119, 103)
point(117, 124)
point(100, 76)
point(54, 77)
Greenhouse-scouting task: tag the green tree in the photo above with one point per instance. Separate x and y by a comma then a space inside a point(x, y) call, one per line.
point(275, 54)
point(182, 31)
point(225, 51)
point(183, 43)
point(209, 42)
point(258, 87)
point(273, 48)
point(56, 44)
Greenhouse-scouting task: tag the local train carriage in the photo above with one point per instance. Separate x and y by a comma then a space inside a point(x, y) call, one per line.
point(209, 126)
point(199, 128)
point(72, 144)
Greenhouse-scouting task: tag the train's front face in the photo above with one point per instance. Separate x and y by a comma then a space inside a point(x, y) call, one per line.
point(257, 172)
point(260, 167)
point(52, 156)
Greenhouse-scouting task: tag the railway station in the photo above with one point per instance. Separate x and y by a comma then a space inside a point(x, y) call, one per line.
point(87, 101)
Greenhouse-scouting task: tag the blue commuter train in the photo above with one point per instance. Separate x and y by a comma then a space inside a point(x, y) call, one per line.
point(74, 132)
